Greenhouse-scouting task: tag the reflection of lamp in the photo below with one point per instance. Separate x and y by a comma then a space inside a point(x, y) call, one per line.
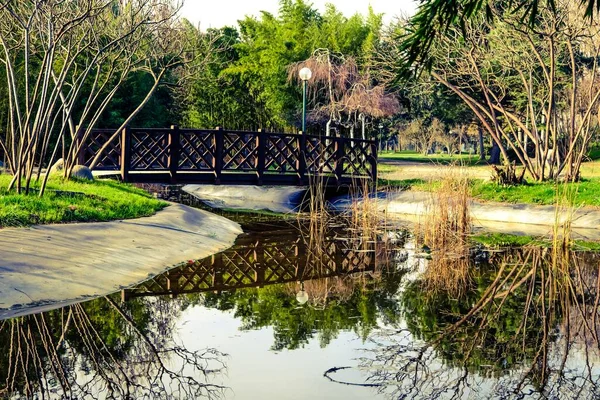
point(302, 296)
point(305, 74)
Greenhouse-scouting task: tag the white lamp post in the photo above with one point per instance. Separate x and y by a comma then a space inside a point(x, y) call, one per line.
point(305, 74)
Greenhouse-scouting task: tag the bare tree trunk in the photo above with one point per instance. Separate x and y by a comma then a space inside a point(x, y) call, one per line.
point(481, 146)
point(157, 81)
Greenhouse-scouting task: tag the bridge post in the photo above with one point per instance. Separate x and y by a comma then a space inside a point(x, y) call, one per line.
point(301, 161)
point(173, 283)
point(339, 158)
point(173, 160)
point(79, 145)
point(217, 276)
point(125, 153)
point(373, 161)
point(261, 156)
point(218, 159)
point(259, 257)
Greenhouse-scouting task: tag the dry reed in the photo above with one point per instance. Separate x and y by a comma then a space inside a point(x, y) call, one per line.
point(445, 233)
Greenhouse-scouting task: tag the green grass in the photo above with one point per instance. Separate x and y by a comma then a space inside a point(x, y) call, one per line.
point(584, 193)
point(413, 156)
point(503, 240)
point(496, 240)
point(75, 201)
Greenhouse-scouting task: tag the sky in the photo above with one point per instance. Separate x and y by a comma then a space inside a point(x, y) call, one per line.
point(218, 13)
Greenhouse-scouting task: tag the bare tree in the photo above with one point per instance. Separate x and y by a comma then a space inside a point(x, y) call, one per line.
point(341, 93)
point(70, 356)
point(175, 54)
point(65, 61)
point(531, 88)
point(418, 133)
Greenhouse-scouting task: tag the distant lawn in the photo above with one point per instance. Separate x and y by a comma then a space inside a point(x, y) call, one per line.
point(75, 201)
point(438, 158)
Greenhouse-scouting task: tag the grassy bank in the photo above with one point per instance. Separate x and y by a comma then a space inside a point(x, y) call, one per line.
point(75, 201)
point(504, 240)
point(584, 193)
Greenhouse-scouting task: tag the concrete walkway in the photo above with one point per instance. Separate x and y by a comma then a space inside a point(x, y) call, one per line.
point(279, 199)
point(519, 219)
point(47, 265)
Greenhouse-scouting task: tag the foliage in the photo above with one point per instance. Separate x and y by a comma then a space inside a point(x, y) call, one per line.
point(294, 326)
point(247, 85)
point(435, 16)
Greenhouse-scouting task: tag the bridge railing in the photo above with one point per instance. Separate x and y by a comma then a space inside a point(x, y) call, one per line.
point(225, 156)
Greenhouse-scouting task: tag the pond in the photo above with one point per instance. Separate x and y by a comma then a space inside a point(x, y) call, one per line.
point(297, 310)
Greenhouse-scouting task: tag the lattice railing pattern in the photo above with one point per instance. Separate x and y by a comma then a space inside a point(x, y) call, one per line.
point(320, 155)
point(111, 157)
point(197, 151)
point(149, 150)
point(270, 260)
point(357, 158)
point(281, 154)
point(239, 152)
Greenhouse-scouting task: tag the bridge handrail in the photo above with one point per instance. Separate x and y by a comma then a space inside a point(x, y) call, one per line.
point(259, 132)
point(273, 157)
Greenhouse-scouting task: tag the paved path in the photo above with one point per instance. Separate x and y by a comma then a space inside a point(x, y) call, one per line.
point(49, 264)
point(521, 219)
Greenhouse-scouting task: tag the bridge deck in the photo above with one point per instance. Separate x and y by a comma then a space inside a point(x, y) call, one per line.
point(222, 156)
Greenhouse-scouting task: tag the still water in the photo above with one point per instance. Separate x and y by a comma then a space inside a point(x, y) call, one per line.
point(294, 313)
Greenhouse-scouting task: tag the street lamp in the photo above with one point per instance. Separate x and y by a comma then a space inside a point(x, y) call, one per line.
point(305, 74)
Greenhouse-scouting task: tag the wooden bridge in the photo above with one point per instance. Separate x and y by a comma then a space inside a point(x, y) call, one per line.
point(274, 258)
point(221, 156)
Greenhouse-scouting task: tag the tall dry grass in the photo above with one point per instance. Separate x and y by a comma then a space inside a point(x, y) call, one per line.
point(445, 232)
point(564, 213)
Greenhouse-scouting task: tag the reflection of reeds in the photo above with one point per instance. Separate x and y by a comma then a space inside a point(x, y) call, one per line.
point(318, 221)
point(533, 328)
point(359, 235)
point(365, 219)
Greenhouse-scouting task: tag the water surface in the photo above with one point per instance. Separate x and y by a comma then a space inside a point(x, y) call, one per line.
point(520, 324)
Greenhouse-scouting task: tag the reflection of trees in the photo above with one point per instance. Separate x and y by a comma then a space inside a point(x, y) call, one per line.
point(101, 349)
point(295, 325)
point(530, 327)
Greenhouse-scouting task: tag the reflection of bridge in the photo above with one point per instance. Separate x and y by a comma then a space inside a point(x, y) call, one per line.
point(256, 262)
point(223, 156)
